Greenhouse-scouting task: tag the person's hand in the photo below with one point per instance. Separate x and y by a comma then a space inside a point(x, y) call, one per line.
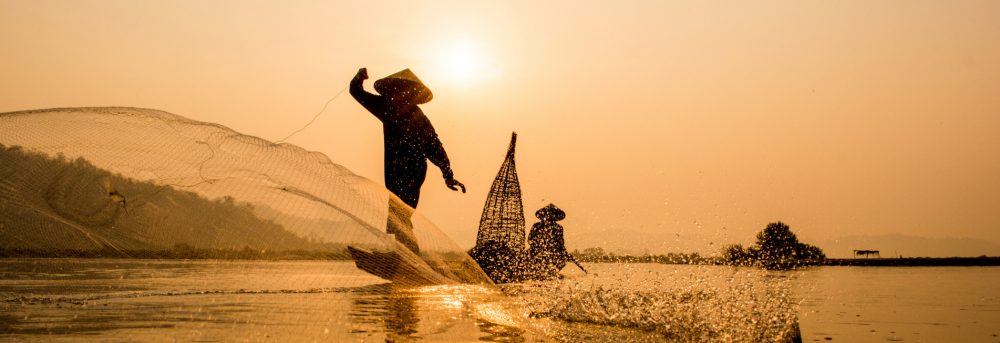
point(452, 183)
point(362, 74)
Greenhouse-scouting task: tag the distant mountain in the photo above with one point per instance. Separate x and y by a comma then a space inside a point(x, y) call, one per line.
point(51, 203)
point(896, 245)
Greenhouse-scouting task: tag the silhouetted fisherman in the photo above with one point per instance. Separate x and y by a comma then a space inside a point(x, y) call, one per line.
point(410, 141)
point(547, 246)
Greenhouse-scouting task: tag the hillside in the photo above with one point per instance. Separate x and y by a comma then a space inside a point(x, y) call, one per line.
point(54, 203)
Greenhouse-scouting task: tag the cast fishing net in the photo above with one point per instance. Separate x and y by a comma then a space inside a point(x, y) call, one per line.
point(127, 182)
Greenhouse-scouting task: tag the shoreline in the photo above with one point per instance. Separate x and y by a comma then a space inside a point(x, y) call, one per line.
point(982, 261)
point(180, 253)
point(911, 262)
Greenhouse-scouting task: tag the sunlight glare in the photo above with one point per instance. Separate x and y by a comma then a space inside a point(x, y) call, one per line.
point(462, 63)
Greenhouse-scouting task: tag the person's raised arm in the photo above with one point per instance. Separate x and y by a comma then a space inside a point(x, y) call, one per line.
point(371, 102)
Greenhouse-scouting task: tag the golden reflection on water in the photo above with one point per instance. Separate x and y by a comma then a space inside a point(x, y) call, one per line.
point(404, 314)
point(142, 300)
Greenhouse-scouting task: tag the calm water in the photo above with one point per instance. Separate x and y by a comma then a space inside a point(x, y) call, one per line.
point(208, 301)
point(907, 304)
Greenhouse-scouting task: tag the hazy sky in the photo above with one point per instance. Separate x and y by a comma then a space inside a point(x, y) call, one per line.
point(695, 122)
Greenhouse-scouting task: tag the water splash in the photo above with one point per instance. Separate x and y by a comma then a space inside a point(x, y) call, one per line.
point(698, 304)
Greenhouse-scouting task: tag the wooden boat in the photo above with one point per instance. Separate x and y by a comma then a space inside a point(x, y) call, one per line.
point(500, 242)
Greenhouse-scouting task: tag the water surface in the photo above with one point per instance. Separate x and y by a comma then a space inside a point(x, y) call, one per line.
point(164, 300)
point(908, 304)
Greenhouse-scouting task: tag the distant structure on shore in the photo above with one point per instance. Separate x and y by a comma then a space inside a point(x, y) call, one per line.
point(892, 245)
point(866, 253)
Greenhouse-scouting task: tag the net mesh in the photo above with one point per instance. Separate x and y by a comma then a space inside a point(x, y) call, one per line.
point(127, 182)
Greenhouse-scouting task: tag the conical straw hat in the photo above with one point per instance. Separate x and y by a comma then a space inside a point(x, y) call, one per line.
point(404, 80)
point(551, 211)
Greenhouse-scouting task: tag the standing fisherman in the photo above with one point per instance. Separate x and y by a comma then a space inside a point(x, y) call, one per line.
point(410, 141)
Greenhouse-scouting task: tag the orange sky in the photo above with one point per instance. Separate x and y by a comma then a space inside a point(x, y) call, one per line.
point(694, 123)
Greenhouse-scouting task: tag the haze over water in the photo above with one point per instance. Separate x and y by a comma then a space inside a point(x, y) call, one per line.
point(684, 123)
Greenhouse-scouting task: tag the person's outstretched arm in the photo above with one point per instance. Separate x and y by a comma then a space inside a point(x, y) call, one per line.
point(373, 103)
point(435, 152)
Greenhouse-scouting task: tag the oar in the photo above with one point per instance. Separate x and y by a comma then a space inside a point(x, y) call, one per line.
point(573, 259)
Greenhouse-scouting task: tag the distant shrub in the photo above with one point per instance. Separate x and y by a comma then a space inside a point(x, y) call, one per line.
point(776, 246)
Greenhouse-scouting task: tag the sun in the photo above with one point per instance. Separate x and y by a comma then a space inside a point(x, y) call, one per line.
point(462, 63)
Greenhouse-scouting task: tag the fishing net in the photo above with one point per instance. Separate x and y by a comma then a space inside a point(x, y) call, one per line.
point(139, 183)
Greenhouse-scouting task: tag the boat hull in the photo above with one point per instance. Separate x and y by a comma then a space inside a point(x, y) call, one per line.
point(392, 266)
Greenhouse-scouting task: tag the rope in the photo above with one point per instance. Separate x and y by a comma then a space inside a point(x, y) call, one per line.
point(313, 118)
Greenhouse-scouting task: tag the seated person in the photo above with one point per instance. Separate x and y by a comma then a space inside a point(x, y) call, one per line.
point(547, 251)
